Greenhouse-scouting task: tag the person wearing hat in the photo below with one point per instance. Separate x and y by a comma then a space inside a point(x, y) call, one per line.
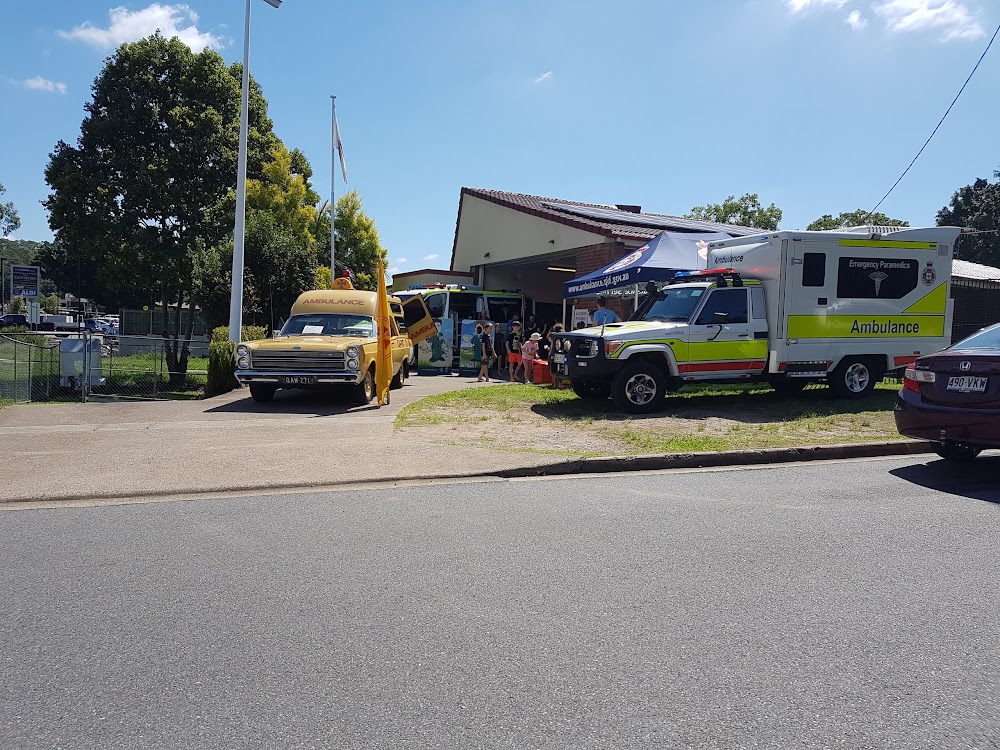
point(528, 351)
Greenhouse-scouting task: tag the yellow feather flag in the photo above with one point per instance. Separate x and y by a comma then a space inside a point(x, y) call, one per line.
point(383, 362)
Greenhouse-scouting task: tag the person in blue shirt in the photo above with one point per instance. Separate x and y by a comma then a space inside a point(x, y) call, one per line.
point(603, 314)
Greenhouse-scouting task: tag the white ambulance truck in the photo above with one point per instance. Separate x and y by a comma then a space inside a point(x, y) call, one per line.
point(788, 307)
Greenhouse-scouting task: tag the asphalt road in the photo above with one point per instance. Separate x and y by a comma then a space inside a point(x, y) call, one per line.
point(839, 605)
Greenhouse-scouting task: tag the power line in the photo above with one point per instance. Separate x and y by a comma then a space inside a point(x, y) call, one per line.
point(934, 132)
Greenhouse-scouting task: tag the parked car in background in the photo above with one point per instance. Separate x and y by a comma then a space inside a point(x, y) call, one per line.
point(13, 319)
point(100, 325)
point(952, 398)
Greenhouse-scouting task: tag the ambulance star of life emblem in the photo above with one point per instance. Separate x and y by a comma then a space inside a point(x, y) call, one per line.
point(930, 275)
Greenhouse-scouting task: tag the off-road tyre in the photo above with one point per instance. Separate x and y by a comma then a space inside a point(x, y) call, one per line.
point(639, 389)
point(854, 377)
point(363, 393)
point(957, 451)
point(586, 388)
point(262, 393)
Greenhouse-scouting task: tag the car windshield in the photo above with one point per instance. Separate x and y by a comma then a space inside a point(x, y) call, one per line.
point(328, 324)
point(988, 338)
point(677, 304)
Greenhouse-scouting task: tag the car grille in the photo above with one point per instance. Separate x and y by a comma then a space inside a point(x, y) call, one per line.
point(279, 361)
point(582, 347)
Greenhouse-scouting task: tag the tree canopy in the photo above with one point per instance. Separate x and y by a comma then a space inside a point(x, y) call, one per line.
point(857, 218)
point(9, 219)
point(150, 181)
point(358, 245)
point(745, 211)
point(976, 207)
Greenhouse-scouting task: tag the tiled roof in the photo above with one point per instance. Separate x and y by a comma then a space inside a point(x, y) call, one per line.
point(964, 269)
point(614, 223)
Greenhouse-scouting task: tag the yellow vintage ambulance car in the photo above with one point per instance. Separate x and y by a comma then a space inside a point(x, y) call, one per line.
point(329, 341)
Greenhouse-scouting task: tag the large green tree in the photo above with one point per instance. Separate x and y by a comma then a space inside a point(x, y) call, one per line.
point(151, 178)
point(278, 267)
point(857, 218)
point(745, 211)
point(9, 219)
point(976, 208)
point(358, 246)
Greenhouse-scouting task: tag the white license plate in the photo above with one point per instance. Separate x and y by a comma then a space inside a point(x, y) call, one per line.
point(558, 358)
point(967, 384)
point(299, 379)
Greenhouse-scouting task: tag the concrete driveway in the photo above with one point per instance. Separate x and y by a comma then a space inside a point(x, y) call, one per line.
point(123, 449)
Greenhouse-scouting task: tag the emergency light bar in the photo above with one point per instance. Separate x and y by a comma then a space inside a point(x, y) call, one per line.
point(708, 272)
point(722, 274)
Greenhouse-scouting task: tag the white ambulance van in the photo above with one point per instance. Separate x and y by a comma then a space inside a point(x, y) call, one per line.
point(845, 307)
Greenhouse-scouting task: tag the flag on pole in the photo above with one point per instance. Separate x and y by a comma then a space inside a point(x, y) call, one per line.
point(383, 361)
point(339, 146)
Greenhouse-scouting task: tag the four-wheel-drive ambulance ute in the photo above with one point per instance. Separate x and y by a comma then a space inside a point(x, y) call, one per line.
point(329, 341)
point(789, 308)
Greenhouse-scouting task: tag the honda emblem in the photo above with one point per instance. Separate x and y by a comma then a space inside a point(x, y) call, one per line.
point(965, 366)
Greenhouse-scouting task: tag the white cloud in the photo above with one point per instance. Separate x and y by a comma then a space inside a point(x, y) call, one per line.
point(432, 256)
point(952, 18)
point(547, 75)
point(130, 26)
point(797, 6)
point(402, 261)
point(855, 21)
point(44, 84)
point(393, 271)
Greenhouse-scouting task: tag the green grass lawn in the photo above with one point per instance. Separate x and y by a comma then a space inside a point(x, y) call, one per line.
point(698, 418)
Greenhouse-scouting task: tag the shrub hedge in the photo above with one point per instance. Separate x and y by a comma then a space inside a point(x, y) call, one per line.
point(222, 358)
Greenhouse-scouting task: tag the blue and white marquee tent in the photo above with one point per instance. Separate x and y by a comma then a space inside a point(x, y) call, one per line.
point(657, 260)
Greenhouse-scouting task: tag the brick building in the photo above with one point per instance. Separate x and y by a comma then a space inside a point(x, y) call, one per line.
point(526, 242)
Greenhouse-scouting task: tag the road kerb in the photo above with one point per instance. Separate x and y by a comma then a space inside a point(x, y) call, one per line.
point(563, 467)
point(607, 464)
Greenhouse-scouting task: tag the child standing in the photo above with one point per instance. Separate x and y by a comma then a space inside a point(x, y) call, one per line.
point(528, 351)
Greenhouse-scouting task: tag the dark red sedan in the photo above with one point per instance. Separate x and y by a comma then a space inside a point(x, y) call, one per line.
point(953, 397)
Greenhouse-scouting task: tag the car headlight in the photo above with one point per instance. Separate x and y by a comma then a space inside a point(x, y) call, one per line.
point(352, 364)
point(242, 350)
point(567, 344)
point(352, 352)
point(243, 363)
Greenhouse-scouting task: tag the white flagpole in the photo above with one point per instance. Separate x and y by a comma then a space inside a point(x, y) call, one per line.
point(333, 172)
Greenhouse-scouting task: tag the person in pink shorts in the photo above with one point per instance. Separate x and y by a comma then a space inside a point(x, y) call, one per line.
point(528, 351)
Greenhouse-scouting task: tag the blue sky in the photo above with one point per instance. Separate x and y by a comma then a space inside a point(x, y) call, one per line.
point(817, 105)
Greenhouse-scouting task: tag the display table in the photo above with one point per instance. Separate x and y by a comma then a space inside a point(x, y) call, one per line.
point(541, 374)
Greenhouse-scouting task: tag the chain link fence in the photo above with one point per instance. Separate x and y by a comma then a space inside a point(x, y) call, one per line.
point(30, 368)
point(86, 366)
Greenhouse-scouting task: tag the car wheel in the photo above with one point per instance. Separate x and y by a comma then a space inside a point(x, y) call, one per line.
point(854, 377)
point(957, 451)
point(598, 390)
point(399, 378)
point(262, 393)
point(639, 388)
point(365, 390)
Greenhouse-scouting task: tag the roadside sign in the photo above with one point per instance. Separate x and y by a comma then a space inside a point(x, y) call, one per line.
point(24, 281)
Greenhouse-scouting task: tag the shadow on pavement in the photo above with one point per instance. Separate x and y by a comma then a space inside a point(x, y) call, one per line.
point(313, 403)
point(977, 480)
point(754, 405)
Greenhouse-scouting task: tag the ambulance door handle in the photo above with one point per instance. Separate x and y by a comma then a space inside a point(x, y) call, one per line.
point(743, 335)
